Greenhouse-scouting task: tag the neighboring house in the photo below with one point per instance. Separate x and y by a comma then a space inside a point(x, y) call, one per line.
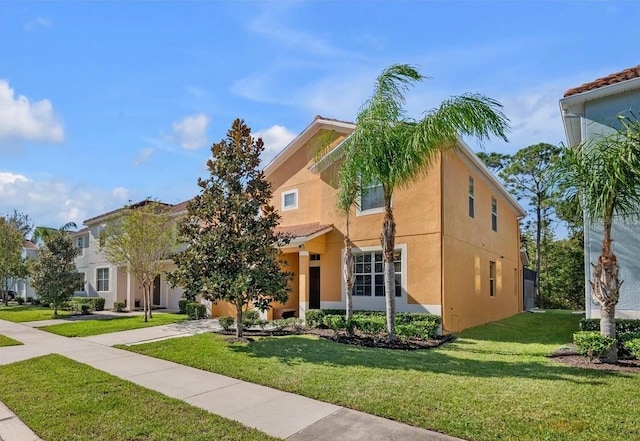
point(457, 242)
point(589, 111)
point(23, 287)
point(115, 284)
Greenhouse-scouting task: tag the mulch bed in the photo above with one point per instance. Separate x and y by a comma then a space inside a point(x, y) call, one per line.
point(569, 357)
point(356, 340)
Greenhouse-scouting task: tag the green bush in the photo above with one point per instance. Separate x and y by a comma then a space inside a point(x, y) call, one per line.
point(20, 300)
point(35, 302)
point(633, 346)
point(250, 318)
point(279, 324)
point(592, 344)
point(118, 306)
point(623, 326)
point(30, 299)
point(94, 303)
point(226, 322)
point(370, 325)
point(314, 317)
point(335, 322)
point(196, 311)
point(424, 329)
point(85, 309)
point(182, 305)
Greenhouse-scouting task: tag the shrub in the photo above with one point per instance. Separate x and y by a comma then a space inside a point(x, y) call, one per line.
point(592, 344)
point(424, 329)
point(405, 318)
point(20, 300)
point(93, 303)
point(633, 346)
point(196, 311)
point(314, 317)
point(623, 326)
point(280, 324)
point(296, 324)
point(30, 300)
point(182, 305)
point(335, 322)
point(370, 325)
point(85, 309)
point(226, 322)
point(35, 302)
point(118, 306)
point(250, 318)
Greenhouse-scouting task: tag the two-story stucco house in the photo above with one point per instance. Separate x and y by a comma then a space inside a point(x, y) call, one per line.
point(457, 242)
point(115, 284)
point(588, 111)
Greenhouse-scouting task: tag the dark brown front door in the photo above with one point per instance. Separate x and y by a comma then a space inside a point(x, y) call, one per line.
point(314, 287)
point(156, 291)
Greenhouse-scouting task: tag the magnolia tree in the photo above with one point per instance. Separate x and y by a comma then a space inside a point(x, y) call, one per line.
point(232, 249)
point(53, 271)
point(141, 238)
point(12, 265)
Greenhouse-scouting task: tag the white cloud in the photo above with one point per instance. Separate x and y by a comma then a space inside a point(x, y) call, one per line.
point(191, 132)
point(21, 120)
point(38, 22)
point(142, 156)
point(55, 202)
point(275, 138)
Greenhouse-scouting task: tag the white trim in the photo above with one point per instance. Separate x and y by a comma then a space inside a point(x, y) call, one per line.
point(282, 200)
point(302, 310)
point(304, 253)
point(404, 256)
point(108, 268)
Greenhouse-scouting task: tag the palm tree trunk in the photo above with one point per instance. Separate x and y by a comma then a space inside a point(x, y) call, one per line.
point(348, 278)
point(388, 238)
point(605, 289)
point(150, 294)
point(536, 285)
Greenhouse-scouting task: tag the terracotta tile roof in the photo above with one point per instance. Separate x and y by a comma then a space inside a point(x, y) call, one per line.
point(302, 230)
point(618, 77)
point(142, 203)
point(27, 244)
point(182, 206)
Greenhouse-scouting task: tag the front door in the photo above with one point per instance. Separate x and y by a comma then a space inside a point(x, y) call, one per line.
point(156, 291)
point(314, 287)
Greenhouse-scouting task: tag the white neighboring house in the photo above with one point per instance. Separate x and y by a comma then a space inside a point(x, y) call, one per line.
point(115, 284)
point(23, 287)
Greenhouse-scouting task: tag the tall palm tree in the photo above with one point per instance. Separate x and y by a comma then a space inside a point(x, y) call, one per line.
point(41, 232)
point(391, 149)
point(605, 176)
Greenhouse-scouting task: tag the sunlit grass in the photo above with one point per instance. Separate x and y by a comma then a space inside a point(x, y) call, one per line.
point(86, 328)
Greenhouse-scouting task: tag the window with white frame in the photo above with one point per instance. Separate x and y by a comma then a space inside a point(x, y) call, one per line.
point(494, 214)
point(492, 279)
point(372, 197)
point(290, 199)
point(368, 269)
point(472, 198)
point(80, 245)
point(102, 279)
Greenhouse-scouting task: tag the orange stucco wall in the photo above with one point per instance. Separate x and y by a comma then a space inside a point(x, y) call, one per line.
point(470, 245)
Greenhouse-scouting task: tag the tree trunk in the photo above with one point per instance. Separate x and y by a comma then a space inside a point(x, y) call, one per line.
point(348, 279)
point(150, 294)
point(605, 290)
point(388, 238)
point(239, 326)
point(536, 285)
point(144, 303)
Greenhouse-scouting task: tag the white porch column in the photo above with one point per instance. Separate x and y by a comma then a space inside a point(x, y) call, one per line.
point(131, 297)
point(303, 282)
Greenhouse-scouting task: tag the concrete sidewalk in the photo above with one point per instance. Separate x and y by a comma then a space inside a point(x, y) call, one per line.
point(274, 412)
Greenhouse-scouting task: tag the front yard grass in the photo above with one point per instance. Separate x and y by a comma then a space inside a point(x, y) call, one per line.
point(6, 341)
point(29, 313)
point(86, 328)
point(61, 399)
point(494, 382)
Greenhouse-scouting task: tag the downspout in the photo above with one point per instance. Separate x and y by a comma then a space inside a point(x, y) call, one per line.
point(442, 223)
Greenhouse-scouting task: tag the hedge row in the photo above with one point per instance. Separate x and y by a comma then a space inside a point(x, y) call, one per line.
point(86, 304)
point(623, 326)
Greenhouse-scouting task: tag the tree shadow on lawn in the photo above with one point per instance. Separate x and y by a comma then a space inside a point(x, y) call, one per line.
point(297, 349)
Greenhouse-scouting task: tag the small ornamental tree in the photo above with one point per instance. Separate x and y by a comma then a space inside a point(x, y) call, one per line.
point(231, 249)
point(140, 239)
point(53, 271)
point(11, 262)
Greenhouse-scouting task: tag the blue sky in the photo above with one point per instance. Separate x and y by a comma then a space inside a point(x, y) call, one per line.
point(106, 102)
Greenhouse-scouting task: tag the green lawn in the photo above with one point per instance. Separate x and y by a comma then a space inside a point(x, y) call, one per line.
point(494, 382)
point(61, 399)
point(86, 328)
point(6, 341)
point(29, 313)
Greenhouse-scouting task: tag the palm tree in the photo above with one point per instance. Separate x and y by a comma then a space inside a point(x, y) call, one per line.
point(41, 232)
point(605, 176)
point(393, 150)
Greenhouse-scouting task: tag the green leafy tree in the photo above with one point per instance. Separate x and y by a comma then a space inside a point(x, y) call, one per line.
point(393, 150)
point(604, 174)
point(231, 249)
point(20, 221)
point(493, 160)
point(42, 232)
point(11, 263)
point(141, 238)
point(527, 174)
point(53, 271)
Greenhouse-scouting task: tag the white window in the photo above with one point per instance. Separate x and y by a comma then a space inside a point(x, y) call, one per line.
point(494, 214)
point(102, 279)
point(368, 268)
point(372, 198)
point(290, 199)
point(472, 198)
point(492, 279)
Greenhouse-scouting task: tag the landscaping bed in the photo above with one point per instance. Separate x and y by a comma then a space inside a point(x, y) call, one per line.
point(568, 356)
